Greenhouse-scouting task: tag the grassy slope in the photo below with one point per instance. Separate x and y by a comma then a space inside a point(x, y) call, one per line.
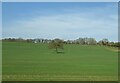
point(29, 61)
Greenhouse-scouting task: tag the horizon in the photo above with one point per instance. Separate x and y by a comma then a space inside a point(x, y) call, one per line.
point(56, 38)
point(62, 20)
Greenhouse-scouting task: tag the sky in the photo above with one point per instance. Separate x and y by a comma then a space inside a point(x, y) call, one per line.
point(64, 20)
point(0, 21)
point(60, 0)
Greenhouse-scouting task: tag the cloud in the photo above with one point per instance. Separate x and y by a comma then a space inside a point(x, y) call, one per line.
point(70, 25)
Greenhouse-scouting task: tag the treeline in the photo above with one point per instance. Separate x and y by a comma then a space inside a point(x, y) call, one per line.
point(81, 41)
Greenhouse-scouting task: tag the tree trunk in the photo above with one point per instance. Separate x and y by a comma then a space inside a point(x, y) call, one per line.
point(56, 50)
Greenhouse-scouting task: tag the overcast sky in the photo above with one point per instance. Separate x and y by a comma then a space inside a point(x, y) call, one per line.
point(63, 20)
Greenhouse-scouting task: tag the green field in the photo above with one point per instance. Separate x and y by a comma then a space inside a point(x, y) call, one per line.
point(30, 61)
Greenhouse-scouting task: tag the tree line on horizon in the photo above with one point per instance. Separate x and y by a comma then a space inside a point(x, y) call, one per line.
point(81, 41)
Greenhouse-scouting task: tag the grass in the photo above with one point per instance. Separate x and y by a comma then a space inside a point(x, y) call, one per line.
point(29, 61)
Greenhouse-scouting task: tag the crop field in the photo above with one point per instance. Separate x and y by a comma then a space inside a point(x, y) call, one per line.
point(36, 62)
